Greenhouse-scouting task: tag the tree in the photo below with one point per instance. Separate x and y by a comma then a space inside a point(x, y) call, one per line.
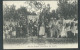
point(36, 6)
point(9, 13)
point(67, 10)
point(22, 12)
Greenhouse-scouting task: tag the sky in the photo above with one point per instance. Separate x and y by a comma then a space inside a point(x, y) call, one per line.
point(18, 4)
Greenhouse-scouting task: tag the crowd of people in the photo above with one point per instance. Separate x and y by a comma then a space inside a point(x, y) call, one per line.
point(55, 28)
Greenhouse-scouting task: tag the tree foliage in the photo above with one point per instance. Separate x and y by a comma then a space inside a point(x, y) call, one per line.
point(10, 13)
point(67, 10)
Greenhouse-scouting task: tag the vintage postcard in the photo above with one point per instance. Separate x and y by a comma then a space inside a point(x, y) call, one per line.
point(40, 24)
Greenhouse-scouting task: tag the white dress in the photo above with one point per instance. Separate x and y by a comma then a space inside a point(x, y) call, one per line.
point(42, 30)
point(63, 32)
point(74, 30)
point(14, 33)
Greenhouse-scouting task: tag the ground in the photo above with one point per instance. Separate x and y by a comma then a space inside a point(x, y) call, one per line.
point(39, 42)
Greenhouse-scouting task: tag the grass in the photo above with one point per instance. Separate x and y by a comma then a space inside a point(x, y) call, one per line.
point(39, 40)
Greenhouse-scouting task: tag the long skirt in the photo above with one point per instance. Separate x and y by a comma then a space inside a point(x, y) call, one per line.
point(42, 30)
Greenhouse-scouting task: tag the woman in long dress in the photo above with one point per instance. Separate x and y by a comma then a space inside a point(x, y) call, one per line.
point(42, 30)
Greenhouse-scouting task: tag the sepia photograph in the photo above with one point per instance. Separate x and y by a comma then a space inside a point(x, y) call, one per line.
point(40, 24)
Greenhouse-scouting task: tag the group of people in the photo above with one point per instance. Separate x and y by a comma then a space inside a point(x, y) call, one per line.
point(59, 28)
point(33, 28)
point(54, 28)
point(9, 31)
point(64, 28)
